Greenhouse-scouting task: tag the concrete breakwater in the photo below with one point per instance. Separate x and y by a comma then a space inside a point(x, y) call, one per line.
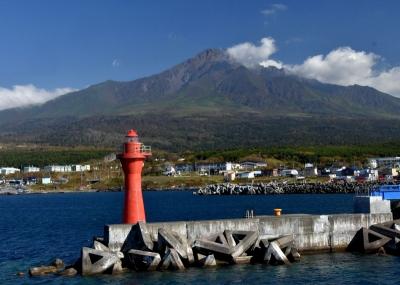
point(263, 239)
point(286, 188)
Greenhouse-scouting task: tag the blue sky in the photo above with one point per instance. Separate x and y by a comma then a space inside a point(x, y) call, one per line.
point(73, 44)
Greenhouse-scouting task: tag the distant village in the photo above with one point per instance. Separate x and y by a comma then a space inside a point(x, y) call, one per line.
point(377, 169)
point(384, 169)
point(31, 176)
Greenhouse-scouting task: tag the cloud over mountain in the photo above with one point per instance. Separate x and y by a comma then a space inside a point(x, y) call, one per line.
point(27, 95)
point(343, 65)
point(251, 55)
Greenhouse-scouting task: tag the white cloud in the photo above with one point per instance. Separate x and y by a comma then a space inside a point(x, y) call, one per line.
point(273, 9)
point(342, 66)
point(387, 81)
point(345, 66)
point(251, 55)
point(27, 95)
point(116, 63)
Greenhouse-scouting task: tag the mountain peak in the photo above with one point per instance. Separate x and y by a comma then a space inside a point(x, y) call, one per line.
point(211, 54)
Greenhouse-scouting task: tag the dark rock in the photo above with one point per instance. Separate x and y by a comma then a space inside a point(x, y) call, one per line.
point(68, 272)
point(42, 270)
point(58, 263)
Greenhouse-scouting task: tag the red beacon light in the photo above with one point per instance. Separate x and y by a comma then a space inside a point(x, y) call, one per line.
point(132, 160)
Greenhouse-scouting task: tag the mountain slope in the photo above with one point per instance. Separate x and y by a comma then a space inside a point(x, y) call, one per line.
point(210, 97)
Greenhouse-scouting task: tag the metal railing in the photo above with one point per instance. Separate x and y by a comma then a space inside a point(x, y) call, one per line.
point(145, 148)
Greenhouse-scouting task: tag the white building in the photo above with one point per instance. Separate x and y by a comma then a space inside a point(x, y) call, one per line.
point(46, 180)
point(289, 172)
point(252, 164)
point(310, 170)
point(169, 171)
point(214, 167)
point(67, 168)
point(79, 168)
point(369, 174)
point(58, 168)
point(246, 175)
point(31, 169)
point(389, 162)
point(9, 170)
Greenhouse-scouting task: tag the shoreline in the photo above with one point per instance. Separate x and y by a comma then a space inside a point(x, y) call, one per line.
point(224, 189)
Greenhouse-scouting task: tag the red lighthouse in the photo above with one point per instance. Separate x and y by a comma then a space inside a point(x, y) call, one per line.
point(132, 160)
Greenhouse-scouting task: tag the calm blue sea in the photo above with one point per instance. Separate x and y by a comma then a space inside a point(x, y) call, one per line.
point(34, 229)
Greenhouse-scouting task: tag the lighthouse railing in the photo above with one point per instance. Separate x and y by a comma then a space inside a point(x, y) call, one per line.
point(145, 148)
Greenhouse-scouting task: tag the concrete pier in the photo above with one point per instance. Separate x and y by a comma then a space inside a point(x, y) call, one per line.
point(310, 232)
point(371, 204)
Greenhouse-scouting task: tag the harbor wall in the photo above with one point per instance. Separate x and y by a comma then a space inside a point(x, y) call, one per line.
point(311, 232)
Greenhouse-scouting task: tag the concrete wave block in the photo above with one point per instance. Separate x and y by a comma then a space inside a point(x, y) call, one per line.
point(143, 260)
point(167, 239)
point(243, 240)
point(229, 238)
point(171, 260)
point(242, 259)
point(248, 238)
point(97, 261)
point(100, 246)
point(293, 255)
point(138, 238)
point(367, 240)
point(275, 255)
point(207, 261)
point(208, 247)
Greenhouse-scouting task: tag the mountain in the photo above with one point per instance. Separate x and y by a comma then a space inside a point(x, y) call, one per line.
point(210, 101)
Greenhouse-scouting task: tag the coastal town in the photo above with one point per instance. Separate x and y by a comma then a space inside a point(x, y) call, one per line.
point(180, 174)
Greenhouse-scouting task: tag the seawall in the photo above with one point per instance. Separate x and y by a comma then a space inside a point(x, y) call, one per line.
point(311, 232)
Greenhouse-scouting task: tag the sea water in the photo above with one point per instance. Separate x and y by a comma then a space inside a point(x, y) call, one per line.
point(35, 229)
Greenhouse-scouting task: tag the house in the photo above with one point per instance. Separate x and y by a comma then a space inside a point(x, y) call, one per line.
point(67, 168)
point(345, 171)
point(327, 172)
point(184, 167)
point(80, 168)
point(271, 172)
point(214, 168)
point(9, 170)
point(387, 162)
point(169, 171)
point(246, 175)
point(31, 180)
point(46, 180)
point(289, 172)
point(31, 169)
point(310, 170)
point(229, 176)
point(58, 168)
point(252, 164)
point(368, 175)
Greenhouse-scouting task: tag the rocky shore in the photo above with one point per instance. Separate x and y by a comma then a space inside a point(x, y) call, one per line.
point(286, 188)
